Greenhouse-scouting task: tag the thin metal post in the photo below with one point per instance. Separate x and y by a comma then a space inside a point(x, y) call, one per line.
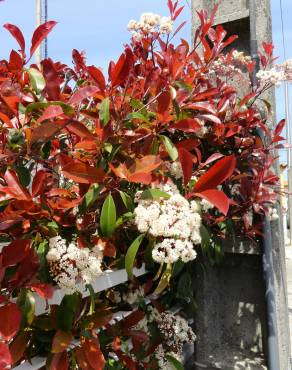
point(38, 10)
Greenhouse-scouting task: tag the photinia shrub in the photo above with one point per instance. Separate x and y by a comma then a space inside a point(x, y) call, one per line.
point(156, 162)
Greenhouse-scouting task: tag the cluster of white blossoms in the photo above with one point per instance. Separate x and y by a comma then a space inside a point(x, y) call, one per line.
point(69, 264)
point(175, 331)
point(273, 76)
point(150, 23)
point(174, 221)
point(273, 214)
point(175, 169)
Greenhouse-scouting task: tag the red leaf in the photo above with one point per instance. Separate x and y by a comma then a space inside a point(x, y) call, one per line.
point(39, 182)
point(79, 129)
point(122, 68)
point(211, 159)
point(97, 76)
point(51, 112)
point(40, 34)
point(186, 161)
point(61, 341)
point(164, 100)
point(81, 359)
point(202, 106)
point(43, 290)
point(15, 252)
point(218, 173)
point(132, 319)
point(83, 93)
point(17, 34)
point(12, 181)
point(60, 361)
point(279, 127)
point(18, 346)
point(15, 61)
point(187, 125)
point(93, 354)
point(10, 317)
point(5, 357)
point(217, 198)
point(83, 173)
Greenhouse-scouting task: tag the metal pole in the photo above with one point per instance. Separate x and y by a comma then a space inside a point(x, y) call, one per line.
point(289, 159)
point(45, 12)
point(267, 258)
point(38, 10)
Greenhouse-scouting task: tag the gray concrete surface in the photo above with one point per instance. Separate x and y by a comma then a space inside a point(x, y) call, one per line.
point(289, 290)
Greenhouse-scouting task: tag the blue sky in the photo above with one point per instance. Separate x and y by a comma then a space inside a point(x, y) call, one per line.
point(100, 28)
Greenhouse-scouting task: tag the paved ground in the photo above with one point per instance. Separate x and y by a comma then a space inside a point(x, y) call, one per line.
point(289, 283)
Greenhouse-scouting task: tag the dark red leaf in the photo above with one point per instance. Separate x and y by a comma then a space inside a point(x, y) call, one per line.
point(40, 34)
point(12, 181)
point(15, 252)
point(93, 354)
point(218, 173)
point(122, 68)
point(18, 346)
point(79, 129)
point(60, 361)
point(15, 61)
point(164, 100)
point(39, 182)
point(97, 76)
point(10, 317)
point(81, 359)
point(279, 127)
point(186, 161)
point(61, 341)
point(186, 125)
point(83, 173)
point(17, 34)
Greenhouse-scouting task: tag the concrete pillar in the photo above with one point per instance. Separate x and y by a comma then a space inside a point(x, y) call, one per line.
point(231, 319)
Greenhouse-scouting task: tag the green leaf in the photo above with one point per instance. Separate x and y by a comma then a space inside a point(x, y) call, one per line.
point(170, 147)
point(177, 267)
point(104, 112)
point(23, 175)
point(67, 109)
point(131, 255)
point(37, 80)
point(125, 217)
point(185, 287)
point(90, 197)
point(206, 239)
point(175, 363)
point(108, 216)
point(26, 302)
point(164, 280)
point(155, 194)
point(66, 312)
point(137, 115)
point(127, 200)
point(43, 272)
point(92, 299)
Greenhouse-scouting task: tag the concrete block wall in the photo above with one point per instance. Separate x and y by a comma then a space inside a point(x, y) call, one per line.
point(231, 320)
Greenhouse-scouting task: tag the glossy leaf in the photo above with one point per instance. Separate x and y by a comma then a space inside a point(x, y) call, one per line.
point(82, 93)
point(217, 174)
point(15, 252)
point(104, 111)
point(164, 280)
point(108, 216)
point(40, 34)
point(5, 356)
point(186, 161)
point(61, 341)
point(83, 173)
point(131, 255)
point(217, 198)
point(93, 354)
point(37, 80)
point(17, 34)
point(170, 147)
point(60, 361)
point(189, 125)
point(174, 362)
point(154, 194)
point(10, 320)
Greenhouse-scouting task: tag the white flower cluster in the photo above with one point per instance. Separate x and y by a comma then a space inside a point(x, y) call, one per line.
point(133, 296)
point(150, 23)
point(240, 57)
point(273, 214)
point(175, 220)
point(69, 264)
point(162, 361)
point(274, 76)
point(175, 331)
point(175, 169)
